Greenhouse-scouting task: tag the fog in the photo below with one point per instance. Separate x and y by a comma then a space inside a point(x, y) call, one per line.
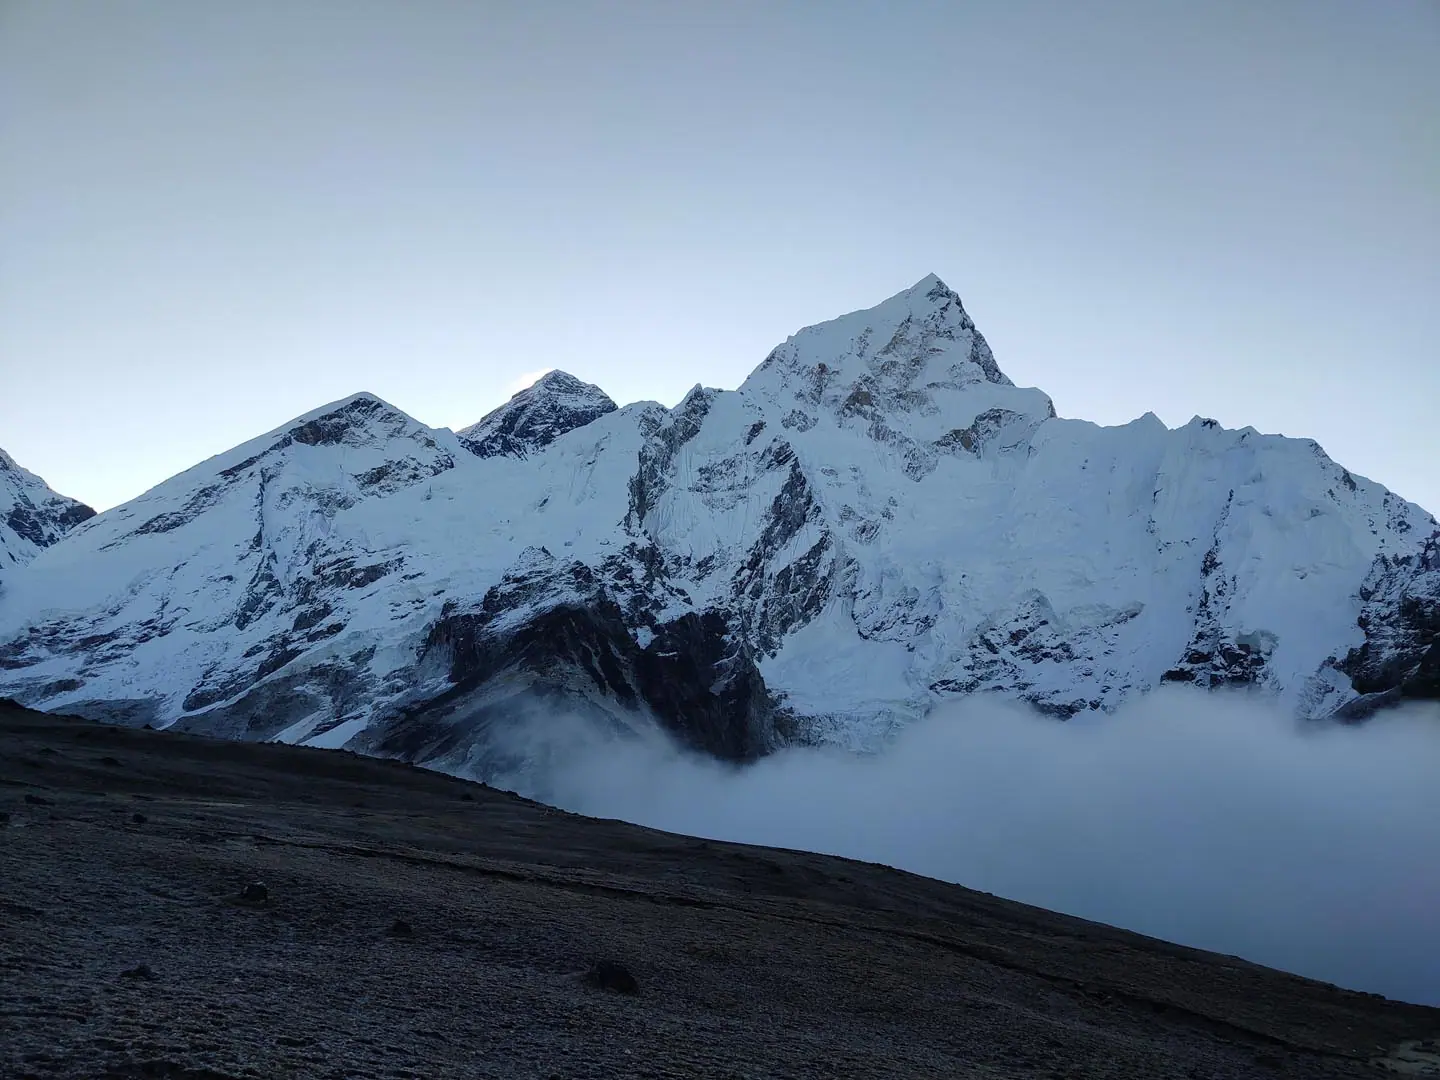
point(1214, 821)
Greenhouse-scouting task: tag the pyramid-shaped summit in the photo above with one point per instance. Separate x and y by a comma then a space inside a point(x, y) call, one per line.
point(553, 405)
point(913, 371)
point(921, 336)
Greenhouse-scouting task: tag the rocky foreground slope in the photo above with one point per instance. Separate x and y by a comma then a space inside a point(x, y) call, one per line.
point(878, 519)
point(410, 924)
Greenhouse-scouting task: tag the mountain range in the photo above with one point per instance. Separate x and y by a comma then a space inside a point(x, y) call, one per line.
point(877, 520)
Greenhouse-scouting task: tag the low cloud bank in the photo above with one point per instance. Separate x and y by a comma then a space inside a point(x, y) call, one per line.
point(1214, 821)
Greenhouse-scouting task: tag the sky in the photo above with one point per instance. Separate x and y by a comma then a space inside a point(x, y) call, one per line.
point(214, 217)
point(1208, 819)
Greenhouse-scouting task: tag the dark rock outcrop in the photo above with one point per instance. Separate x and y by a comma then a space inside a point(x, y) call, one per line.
point(692, 677)
point(32, 516)
point(1400, 659)
point(535, 417)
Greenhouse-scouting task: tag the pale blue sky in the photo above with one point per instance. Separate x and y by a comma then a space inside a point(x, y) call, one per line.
point(214, 216)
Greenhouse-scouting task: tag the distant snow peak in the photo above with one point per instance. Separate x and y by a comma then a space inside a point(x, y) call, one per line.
point(32, 516)
point(346, 421)
point(328, 459)
point(554, 404)
point(893, 356)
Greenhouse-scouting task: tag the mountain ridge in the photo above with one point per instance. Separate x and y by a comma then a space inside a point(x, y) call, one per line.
point(32, 515)
point(875, 520)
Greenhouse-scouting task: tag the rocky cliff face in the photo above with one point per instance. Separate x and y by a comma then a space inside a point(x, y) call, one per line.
point(535, 417)
point(32, 517)
point(1400, 656)
point(876, 520)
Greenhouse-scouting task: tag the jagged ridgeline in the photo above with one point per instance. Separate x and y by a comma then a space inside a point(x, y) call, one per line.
point(32, 517)
point(878, 519)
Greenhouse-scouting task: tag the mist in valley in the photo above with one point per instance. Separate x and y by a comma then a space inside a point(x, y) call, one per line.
point(1212, 820)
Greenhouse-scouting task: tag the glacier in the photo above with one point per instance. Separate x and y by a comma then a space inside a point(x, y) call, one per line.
point(877, 520)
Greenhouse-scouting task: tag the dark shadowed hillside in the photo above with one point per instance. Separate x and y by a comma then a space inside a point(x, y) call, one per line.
point(174, 906)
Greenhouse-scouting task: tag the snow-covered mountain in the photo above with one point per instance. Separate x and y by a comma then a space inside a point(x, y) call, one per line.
point(32, 517)
point(876, 520)
point(537, 416)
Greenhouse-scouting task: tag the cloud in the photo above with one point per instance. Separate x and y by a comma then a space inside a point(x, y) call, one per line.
point(1213, 821)
point(525, 380)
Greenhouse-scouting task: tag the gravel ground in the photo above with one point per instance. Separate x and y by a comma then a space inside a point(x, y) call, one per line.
point(413, 925)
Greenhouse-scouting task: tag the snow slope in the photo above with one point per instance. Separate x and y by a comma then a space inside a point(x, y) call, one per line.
point(875, 520)
point(32, 517)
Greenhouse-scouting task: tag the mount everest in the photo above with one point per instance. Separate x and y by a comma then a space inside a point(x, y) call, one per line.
point(878, 519)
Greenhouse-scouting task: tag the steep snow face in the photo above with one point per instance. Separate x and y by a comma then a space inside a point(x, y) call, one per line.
point(177, 600)
point(876, 520)
point(920, 337)
point(537, 416)
point(32, 517)
point(912, 373)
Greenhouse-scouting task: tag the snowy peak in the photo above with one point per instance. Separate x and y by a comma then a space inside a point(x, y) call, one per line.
point(361, 422)
point(325, 460)
point(916, 355)
point(224, 574)
point(32, 516)
point(912, 374)
point(535, 417)
point(917, 338)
